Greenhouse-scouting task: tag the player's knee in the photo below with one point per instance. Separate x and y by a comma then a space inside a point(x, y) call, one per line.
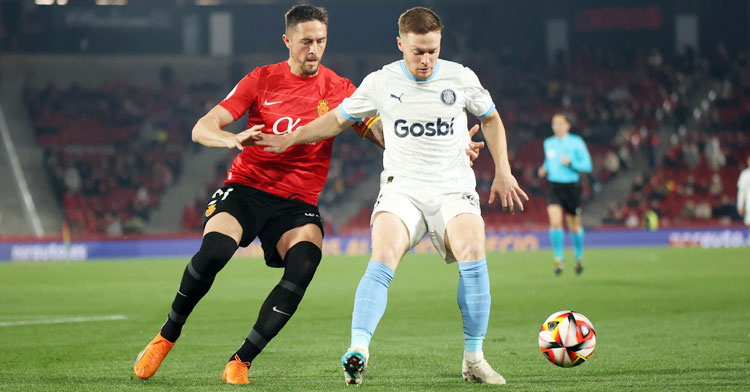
point(216, 250)
point(469, 251)
point(386, 255)
point(301, 262)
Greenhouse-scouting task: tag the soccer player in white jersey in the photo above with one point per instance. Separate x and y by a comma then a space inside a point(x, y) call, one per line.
point(743, 193)
point(427, 185)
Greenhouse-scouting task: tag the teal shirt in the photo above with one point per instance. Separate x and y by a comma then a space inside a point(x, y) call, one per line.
point(575, 149)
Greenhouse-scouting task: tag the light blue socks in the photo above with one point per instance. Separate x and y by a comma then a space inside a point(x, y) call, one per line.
point(578, 243)
point(556, 237)
point(474, 301)
point(369, 302)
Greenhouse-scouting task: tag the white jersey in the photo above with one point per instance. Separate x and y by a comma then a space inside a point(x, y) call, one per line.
point(743, 191)
point(424, 121)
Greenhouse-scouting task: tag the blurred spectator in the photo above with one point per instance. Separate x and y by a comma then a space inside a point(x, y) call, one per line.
point(612, 163)
point(716, 187)
point(651, 217)
point(725, 210)
point(632, 221)
point(615, 214)
point(653, 144)
point(688, 210)
point(113, 225)
point(714, 155)
point(72, 179)
point(703, 210)
point(691, 155)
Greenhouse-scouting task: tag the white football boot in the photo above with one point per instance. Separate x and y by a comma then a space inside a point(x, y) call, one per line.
point(354, 363)
point(480, 371)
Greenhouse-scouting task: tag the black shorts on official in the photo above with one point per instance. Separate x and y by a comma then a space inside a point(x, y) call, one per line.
point(262, 215)
point(567, 195)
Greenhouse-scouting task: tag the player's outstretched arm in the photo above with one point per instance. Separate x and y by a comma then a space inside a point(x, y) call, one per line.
point(209, 130)
point(504, 185)
point(327, 126)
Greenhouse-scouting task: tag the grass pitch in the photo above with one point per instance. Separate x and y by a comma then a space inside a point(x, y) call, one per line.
point(666, 319)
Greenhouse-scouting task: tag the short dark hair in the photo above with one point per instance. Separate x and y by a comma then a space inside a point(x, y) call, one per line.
point(305, 13)
point(569, 117)
point(419, 20)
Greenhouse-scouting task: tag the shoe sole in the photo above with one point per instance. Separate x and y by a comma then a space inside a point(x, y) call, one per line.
point(470, 378)
point(354, 366)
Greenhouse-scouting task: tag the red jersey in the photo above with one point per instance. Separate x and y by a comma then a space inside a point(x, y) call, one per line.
point(274, 96)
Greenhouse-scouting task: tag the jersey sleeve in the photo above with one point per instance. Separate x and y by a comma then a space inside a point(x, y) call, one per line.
point(242, 96)
point(478, 99)
point(362, 127)
point(581, 161)
point(360, 104)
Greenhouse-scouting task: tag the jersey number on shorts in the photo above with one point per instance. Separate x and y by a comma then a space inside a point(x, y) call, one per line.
point(219, 192)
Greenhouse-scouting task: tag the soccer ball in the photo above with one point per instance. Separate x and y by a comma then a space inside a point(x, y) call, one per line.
point(567, 338)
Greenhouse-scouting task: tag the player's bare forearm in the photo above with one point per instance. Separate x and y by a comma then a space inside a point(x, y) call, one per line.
point(375, 135)
point(494, 134)
point(209, 130)
point(504, 186)
point(327, 126)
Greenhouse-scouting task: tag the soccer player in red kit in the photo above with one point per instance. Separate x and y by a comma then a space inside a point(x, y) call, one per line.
point(269, 196)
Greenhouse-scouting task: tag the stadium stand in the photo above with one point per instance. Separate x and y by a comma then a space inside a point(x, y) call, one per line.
point(112, 150)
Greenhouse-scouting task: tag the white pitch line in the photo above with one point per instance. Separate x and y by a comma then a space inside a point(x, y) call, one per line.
point(63, 320)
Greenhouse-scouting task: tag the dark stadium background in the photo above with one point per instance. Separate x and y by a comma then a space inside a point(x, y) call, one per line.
point(99, 100)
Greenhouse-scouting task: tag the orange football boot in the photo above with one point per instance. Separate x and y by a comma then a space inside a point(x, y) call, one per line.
point(148, 361)
point(236, 371)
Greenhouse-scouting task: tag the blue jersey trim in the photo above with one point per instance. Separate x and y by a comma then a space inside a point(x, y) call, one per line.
point(487, 113)
point(346, 115)
point(414, 78)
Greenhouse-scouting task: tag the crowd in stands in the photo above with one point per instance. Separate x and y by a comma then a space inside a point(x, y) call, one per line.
point(112, 150)
point(696, 182)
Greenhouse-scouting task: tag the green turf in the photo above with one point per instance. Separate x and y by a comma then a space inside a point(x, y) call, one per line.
point(666, 319)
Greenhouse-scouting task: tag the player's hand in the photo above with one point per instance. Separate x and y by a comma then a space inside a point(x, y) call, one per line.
point(542, 172)
point(564, 160)
point(247, 137)
point(275, 143)
point(474, 147)
point(506, 188)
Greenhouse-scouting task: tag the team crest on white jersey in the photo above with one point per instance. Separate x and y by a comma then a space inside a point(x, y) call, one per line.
point(448, 97)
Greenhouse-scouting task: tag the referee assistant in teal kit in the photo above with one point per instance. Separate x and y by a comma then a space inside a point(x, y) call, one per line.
point(565, 157)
